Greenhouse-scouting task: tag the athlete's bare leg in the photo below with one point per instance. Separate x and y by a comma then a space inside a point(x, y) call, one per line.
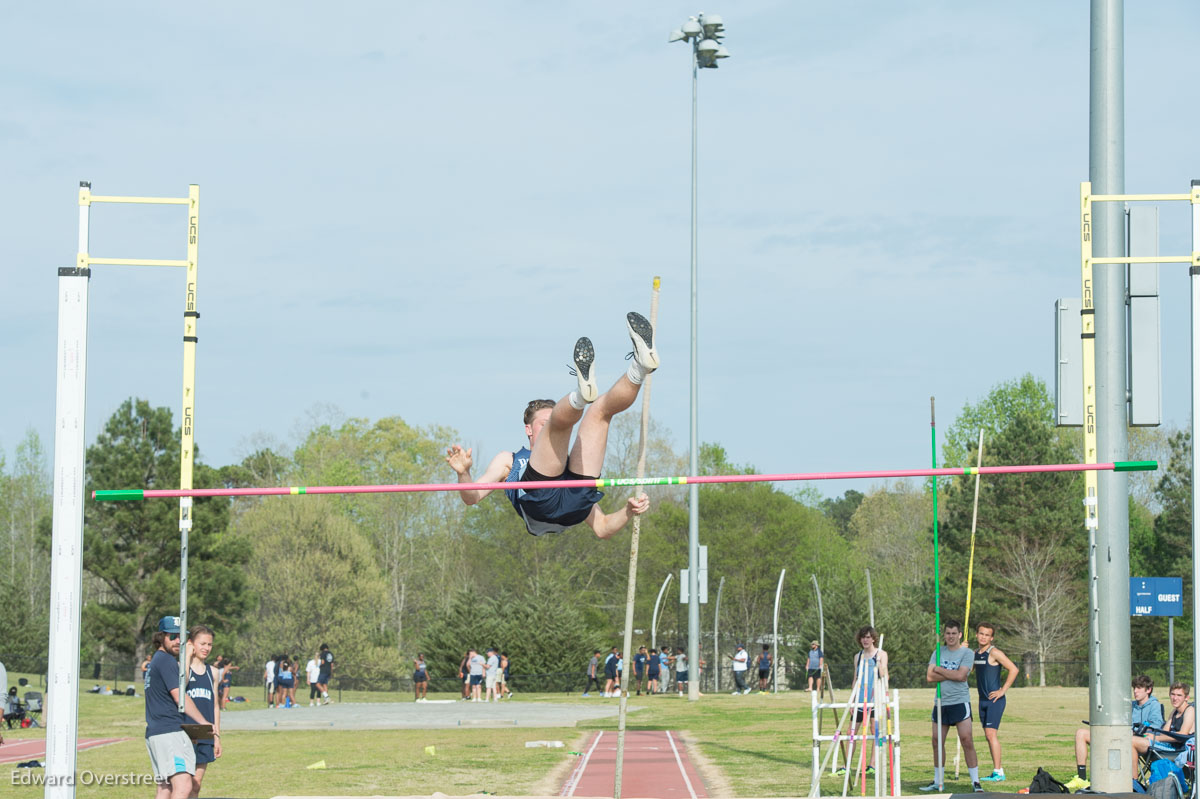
point(587, 456)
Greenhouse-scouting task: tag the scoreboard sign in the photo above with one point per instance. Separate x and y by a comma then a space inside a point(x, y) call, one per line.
point(1155, 596)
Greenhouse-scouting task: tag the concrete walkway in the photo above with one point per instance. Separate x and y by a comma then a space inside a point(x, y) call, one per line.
point(422, 715)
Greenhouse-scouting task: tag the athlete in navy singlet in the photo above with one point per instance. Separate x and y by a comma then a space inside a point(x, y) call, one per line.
point(548, 426)
point(988, 662)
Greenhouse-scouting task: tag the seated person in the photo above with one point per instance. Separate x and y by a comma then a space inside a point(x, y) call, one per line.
point(1147, 711)
point(13, 709)
point(1182, 722)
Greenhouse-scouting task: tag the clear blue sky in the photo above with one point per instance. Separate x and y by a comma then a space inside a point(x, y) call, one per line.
point(415, 211)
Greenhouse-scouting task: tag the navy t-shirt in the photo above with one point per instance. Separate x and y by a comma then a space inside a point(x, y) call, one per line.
point(326, 661)
point(162, 714)
point(639, 662)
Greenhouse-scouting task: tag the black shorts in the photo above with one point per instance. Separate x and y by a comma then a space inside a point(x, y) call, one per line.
point(764, 674)
point(204, 752)
point(610, 672)
point(323, 678)
point(814, 674)
point(476, 679)
point(952, 714)
point(990, 712)
point(420, 676)
point(653, 675)
point(681, 676)
point(564, 506)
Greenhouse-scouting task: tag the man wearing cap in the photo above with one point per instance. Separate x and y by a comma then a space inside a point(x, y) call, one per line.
point(741, 662)
point(172, 756)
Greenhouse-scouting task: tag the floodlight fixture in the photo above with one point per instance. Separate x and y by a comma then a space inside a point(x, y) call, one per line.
point(721, 53)
point(691, 29)
point(712, 23)
point(676, 36)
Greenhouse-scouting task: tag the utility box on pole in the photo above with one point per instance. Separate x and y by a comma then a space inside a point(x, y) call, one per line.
point(683, 579)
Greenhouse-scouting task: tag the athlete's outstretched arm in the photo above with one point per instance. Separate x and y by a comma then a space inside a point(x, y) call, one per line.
point(607, 525)
point(460, 461)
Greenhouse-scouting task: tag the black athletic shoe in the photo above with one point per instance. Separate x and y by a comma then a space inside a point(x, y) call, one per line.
point(642, 335)
point(584, 355)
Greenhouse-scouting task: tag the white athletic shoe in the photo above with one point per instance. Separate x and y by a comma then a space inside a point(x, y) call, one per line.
point(586, 375)
point(642, 335)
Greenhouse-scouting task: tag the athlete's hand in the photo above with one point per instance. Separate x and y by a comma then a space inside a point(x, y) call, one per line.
point(994, 695)
point(637, 505)
point(217, 746)
point(459, 459)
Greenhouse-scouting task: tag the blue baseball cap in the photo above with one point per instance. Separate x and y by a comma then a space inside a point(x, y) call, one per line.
point(168, 624)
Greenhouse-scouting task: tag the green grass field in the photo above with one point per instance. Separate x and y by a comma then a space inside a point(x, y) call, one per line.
point(748, 746)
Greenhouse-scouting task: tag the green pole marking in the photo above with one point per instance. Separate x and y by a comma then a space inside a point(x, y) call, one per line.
point(1135, 466)
point(121, 494)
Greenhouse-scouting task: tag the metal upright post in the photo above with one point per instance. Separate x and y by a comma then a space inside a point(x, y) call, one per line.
point(66, 545)
point(187, 441)
point(654, 617)
point(775, 634)
point(693, 439)
point(1110, 696)
point(1194, 271)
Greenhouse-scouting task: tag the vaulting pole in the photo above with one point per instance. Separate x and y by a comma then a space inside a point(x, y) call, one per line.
point(631, 592)
point(937, 597)
point(970, 579)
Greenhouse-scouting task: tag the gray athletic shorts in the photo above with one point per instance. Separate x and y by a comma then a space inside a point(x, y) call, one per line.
point(171, 753)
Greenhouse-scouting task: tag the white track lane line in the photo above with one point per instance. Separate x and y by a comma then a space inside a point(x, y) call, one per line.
point(573, 781)
point(679, 761)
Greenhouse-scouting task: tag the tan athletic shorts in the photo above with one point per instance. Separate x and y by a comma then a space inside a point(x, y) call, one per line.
point(171, 753)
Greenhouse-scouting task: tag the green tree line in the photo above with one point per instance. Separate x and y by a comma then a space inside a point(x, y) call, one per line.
point(381, 577)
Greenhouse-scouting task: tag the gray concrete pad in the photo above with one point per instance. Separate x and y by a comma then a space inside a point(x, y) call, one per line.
point(422, 715)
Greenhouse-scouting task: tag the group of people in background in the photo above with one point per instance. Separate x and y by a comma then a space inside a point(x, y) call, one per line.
point(652, 671)
point(484, 677)
point(281, 675)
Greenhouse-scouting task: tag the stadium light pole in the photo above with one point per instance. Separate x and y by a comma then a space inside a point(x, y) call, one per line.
point(704, 33)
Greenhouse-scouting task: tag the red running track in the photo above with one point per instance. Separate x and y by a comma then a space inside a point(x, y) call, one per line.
point(17, 751)
point(656, 767)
